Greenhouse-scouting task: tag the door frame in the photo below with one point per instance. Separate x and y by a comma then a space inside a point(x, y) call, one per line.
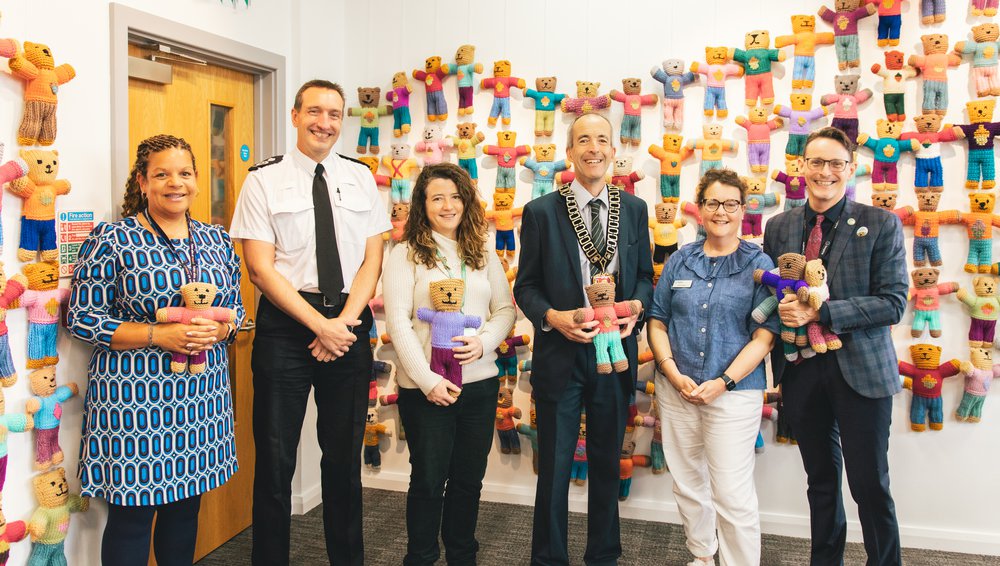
point(267, 68)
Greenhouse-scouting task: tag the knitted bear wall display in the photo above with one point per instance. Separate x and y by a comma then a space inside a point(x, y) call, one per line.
point(433, 78)
point(432, 145)
point(399, 96)
point(10, 294)
point(49, 524)
point(925, 377)
point(788, 280)
point(979, 374)
point(887, 149)
point(821, 338)
point(14, 531)
point(633, 100)
point(46, 410)
point(926, 222)
point(198, 298)
point(885, 201)
point(465, 142)
point(757, 201)
point(674, 79)
point(984, 308)
point(369, 112)
point(979, 134)
point(35, 65)
point(929, 172)
point(664, 226)
point(979, 223)
point(604, 309)
point(671, 156)
point(546, 99)
point(374, 430)
point(801, 116)
point(544, 168)
point(10, 422)
point(44, 301)
point(501, 82)
point(627, 461)
point(759, 130)
point(466, 68)
point(623, 176)
point(794, 182)
point(447, 321)
point(507, 357)
point(926, 293)
point(38, 188)
point(587, 100)
point(397, 218)
point(806, 40)
point(932, 11)
point(503, 215)
point(712, 146)
point(507, 153)
point(894, 75)
point(844, 19)
point(717, 68)
point(889, 21)
point(933, 66)
point(845, 102)
point(401, 169)
point(983, 48)
point(756, 58)
point(505, 415)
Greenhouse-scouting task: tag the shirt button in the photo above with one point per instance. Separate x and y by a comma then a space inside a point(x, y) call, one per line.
point(709, 285)
point(704, 306)
point(703, 330)
point(702, 354)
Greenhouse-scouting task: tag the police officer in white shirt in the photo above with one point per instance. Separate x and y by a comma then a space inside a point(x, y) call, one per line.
point(311, 222)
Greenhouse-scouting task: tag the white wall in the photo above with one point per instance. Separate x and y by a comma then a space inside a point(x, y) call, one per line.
point(939, 479)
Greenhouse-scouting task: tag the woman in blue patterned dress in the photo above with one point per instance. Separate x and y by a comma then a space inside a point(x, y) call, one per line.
point(154, 441)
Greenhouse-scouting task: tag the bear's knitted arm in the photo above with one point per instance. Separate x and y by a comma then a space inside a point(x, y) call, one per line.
point(22, 68)
point(425, 314)
point(472, 321)
point(220, 314)
point(16, 531)
point(23, 187)
point(64, 392)
point(65, 73)
point(907, 369)
point(175, 314)
point(78, 504)
point(583, 314)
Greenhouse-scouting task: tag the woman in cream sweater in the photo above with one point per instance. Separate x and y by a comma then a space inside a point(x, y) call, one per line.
point(449, 429)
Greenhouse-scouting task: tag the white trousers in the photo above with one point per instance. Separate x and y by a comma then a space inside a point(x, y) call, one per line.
point(710, 453)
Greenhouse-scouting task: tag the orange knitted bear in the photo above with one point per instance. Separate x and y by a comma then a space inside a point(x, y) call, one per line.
point(36, 66)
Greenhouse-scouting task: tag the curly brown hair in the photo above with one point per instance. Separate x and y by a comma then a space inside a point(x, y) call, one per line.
point(726, 177)
point(134, 201)
point(471, 234)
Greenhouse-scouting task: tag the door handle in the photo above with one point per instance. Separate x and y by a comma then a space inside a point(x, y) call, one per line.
point(248, 325)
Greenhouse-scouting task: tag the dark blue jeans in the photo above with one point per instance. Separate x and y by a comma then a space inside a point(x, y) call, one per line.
point(127, 533)
point(448, 449)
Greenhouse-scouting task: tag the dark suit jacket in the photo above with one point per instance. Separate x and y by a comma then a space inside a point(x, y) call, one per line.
point(866, 268)
point(549, 277)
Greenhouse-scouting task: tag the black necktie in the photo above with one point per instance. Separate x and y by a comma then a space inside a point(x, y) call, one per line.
point(596, 233)
point(331, 276)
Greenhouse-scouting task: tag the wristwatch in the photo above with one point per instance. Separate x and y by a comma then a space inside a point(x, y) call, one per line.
point(730, 384)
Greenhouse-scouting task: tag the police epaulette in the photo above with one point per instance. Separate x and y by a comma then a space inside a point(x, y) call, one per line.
point(266, 162)
point(359, 162)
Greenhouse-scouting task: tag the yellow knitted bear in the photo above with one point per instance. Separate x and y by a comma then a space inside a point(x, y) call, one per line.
point(39, 189)
point(50, 521)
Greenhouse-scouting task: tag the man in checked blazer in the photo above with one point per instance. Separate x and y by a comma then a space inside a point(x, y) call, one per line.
point(839, 404)
point(550, 286)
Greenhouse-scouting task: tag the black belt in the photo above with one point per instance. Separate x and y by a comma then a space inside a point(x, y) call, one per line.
point(327, 308)
point(321, 301)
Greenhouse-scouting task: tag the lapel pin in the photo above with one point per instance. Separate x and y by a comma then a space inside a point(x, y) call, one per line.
point(862, 231)
point(851, 221)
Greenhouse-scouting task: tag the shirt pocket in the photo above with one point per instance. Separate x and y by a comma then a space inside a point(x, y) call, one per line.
point(354, 211)
point(294, 224)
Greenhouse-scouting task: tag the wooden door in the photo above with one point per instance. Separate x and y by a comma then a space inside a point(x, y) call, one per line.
point(212, 108)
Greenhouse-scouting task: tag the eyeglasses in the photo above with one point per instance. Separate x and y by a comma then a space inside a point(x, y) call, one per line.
point(836, 165)
point(731, 205)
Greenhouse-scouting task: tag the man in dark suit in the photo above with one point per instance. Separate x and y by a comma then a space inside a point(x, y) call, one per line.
point(839, 404)
point(556, 229)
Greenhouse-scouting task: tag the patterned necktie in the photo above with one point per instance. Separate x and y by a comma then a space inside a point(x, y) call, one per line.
point(331, 276)
point(596, 233)
point(815, 239)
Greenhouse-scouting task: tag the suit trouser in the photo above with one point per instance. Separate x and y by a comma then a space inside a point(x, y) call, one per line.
point(604, 397)
point(284, 372)
point(835, 426)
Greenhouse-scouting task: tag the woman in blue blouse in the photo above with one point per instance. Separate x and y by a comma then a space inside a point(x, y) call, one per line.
point(710, 355)
point(153, 440)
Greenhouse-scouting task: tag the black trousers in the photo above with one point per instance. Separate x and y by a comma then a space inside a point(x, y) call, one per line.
point(284, 372)
point(834, 426)
point(127, 533)
point(448, 448)
point(606, 401)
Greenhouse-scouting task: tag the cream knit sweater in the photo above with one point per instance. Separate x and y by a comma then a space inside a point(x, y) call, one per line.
point(405, 287)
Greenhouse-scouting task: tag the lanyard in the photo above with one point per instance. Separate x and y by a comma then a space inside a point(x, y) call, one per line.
point(190, 266)
point(447, 271)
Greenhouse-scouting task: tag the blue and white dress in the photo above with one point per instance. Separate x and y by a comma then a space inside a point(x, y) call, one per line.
point(151, 436)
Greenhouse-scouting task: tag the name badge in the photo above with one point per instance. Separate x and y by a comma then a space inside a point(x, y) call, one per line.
point(681, 284)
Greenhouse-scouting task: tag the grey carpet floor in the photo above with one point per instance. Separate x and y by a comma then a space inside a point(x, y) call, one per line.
point(504, 533)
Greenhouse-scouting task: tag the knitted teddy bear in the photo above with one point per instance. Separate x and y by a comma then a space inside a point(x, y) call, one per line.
point(844, 19)
point(933, 65)
point(712, 146)
point(984, 308)
point(38, 188)
point(887, 149)
point(862, 170)
point(447, 321)
point(507, 357)
point(623, 176)
point(633, 101)
point(821, 338)
point(657, 460)
point(759, 130)
point(46, 410)
point(501, 82)
point(924, 377)
point(399, 96)
point(627, 461)
point(544, 167)
point(845, 102)
point(546, 99)
point(926, 293)
point(979, 374)
point(893, 86)
point(198, 297)
point(979, 223)
point(9, 171)
point(10, 422)
point(433, 78)
point(756, 58)
point(506, 152)
point(506, 413)
point(465, 143)
point(789, 280)
point(986, 8)
point(691, 209)
point(369, 112)
point(10, 533)
point(401, 168)
point(885, 201)
point(374, 430)
point(10, 295)
point(671, 156)
point(49, 524)
point(400, 214)
point(43, 300)
point(979, 134)
point(757, 200)
point(530, 431)
point(587, 100)
point(35, 65)
point(604, 309)
point(769, 413)
point(932, 11)
point(794, 182)
point(674, 79)
point(800, 116)
point(503, 215)
point(889, 21)
point(373, 162)
point(930, 134)
point(926, 221)
point(466, 68)
point(717, 68)
point(805, 39)
point(983, 48)
point(664, 226)
point(432, 145)
point(578, 471)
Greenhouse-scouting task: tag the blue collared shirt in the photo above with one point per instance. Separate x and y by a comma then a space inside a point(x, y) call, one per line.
point(705, 303)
